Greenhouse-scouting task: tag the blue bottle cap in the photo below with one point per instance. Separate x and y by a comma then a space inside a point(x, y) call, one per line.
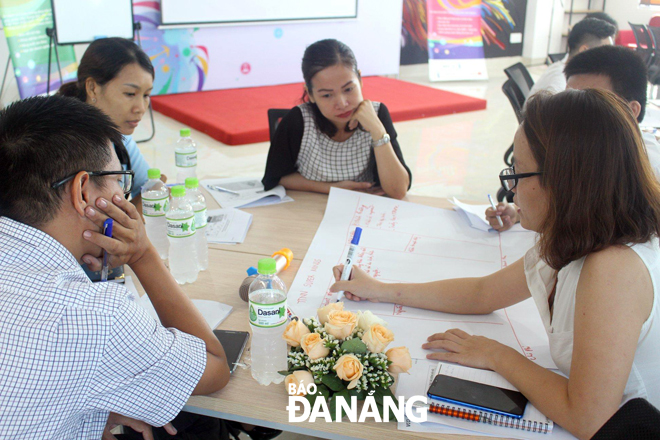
point(252, 271)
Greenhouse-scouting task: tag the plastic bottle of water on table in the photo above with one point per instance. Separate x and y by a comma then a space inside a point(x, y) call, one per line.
point(198, 202)
point(155, 200)
point(181, 233)
point(185, 155)
point(267, 310)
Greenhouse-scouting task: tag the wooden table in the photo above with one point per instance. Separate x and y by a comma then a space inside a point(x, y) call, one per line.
point(291, 225)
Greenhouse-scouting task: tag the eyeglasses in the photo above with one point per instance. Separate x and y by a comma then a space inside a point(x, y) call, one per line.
point(509, 178)
point(125, 181)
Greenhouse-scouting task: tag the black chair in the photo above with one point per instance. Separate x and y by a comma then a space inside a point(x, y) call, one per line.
point(516, 97)
point(554, 57)
point(645, 42)
point(275, 115)
point(637, 419)
point(520, 75)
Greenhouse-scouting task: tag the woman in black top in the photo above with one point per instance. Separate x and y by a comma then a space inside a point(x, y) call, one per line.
point(336, 138)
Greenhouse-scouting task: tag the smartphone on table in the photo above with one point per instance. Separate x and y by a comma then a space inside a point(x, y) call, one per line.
point(477, 395)
point(234, 343)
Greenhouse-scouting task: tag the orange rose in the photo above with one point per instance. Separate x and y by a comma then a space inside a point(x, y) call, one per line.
point(400, 358)
point(323, 312)
point(314, 346)
point(294, 332)
point(299, 377)
point(377, 338)
point(349, 368)
point(341, 323)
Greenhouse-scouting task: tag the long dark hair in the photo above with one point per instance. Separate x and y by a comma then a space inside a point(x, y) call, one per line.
point(600, 184)
point(318, 56)
point(102, 61)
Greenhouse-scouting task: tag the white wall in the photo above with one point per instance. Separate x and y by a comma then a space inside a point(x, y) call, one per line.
point(543, 24)
point(624, 11)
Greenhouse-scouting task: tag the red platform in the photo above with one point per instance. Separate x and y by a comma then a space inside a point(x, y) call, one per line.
point(238, 116)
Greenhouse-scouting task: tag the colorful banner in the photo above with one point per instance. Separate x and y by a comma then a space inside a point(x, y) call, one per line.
point(456, 50)
point(25, 23)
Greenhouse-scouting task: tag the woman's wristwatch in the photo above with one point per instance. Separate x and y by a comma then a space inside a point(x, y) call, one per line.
point(382, 141)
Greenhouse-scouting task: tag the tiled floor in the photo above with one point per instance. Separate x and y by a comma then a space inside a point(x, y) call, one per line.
point(457, 155)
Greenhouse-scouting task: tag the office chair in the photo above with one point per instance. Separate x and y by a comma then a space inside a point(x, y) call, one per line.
point(520, 75)
point(275, 115)
point(554, 57)
point(645, 42)
point(637, 419)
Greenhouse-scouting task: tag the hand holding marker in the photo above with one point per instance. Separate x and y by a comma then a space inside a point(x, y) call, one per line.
point(492, 204)
point(348, 267)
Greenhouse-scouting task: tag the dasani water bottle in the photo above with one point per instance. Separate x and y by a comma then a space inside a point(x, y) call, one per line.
point(267, 309)
point(198, 202)
point(155, 200)
point(185, 155)
point(181, 233)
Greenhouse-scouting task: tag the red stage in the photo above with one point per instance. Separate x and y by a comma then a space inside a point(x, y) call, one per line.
point(238, 116)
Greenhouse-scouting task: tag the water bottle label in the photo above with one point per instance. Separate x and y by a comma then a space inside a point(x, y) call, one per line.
point(186, 160)
point(267, 315)
point(154, 207)
point(180, 228)
point(200, 218)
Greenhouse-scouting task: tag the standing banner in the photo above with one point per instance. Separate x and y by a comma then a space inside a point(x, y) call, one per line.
point(456, 49)
point(25, 23)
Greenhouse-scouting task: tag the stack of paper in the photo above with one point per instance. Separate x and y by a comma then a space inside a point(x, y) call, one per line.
point(241, 192)
point(227, 226)
point(212, 311)
point(475, 216)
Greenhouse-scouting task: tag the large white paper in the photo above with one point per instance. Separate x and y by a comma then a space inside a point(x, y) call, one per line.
point(250, 192)
point(405, 242)
point(227, 226)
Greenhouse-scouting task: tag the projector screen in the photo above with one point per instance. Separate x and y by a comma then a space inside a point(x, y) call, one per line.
point(178, 12)
point(79, 21)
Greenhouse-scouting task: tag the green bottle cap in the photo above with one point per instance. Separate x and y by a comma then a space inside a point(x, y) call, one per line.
point(192, 182)
point(185, 132)
point(153, 173)
point(180, 191)
point(267, 266)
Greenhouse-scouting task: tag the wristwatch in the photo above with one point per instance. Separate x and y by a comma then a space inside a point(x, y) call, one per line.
point(382, 141)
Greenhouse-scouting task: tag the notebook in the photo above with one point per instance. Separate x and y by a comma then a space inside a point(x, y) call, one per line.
point(470, 418)
point(242, 192)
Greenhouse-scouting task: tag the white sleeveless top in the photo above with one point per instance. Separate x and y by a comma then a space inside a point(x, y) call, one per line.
point(644, 379)
point(324, 160)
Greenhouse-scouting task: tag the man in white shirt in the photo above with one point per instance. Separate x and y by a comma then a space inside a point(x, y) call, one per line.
point(613, 68)
point(77, 357)
point(586, 34)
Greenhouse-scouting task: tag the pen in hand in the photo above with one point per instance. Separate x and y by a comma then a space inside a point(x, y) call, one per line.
point(348, 267)
point(107, 231)
point(492, 204)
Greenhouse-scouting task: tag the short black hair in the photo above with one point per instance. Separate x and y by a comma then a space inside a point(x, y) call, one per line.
point(43, 140)
point(625, 69)
point(589, 31)
point(603, 16)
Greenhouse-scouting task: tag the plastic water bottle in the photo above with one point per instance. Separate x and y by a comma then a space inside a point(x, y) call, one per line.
point(185, 155)
point(267, 309)
point(198, 202)
point(181, 233)
point(155, 200)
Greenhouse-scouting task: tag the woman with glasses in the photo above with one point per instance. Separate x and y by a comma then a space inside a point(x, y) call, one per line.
point(583, 182)
point(116, 76)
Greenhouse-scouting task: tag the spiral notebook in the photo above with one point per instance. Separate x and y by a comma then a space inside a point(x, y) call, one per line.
point(470, 418)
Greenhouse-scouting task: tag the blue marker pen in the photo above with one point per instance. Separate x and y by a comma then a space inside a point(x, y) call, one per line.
point(107, 231)
point(348, 267)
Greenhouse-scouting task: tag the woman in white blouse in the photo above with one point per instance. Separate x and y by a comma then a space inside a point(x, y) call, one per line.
point(582, 180)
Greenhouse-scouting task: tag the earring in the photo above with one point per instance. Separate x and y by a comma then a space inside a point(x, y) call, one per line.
point(94, 100)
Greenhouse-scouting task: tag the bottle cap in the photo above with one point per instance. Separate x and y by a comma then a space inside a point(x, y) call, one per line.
point(252, 271)
point(192, 182)
point(178, 191)
point(153, 173)
point(185, 132)
point(267, 266)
